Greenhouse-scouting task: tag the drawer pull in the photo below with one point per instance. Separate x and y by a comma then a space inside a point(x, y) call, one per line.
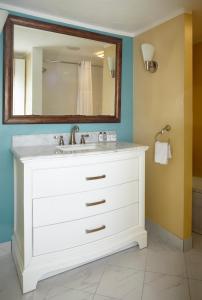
point(95, 229)
point(96, 177)
point(96, 203)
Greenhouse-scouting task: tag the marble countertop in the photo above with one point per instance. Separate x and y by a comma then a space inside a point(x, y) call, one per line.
point(48, 151)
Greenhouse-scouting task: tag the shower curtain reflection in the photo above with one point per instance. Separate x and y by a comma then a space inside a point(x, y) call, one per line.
point(85, 94)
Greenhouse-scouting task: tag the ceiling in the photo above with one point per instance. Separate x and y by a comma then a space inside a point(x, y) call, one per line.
point(128, 17)
point(25, 38)
point(55, 45)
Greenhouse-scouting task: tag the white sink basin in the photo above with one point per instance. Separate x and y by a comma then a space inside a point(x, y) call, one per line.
point(83, 147)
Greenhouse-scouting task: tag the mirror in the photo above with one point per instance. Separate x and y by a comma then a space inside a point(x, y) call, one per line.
point(56, 74)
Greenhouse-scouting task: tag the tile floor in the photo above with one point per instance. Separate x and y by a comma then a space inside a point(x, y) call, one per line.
point(159, 272)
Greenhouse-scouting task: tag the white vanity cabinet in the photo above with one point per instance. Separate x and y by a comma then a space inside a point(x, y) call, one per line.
point(73, 209)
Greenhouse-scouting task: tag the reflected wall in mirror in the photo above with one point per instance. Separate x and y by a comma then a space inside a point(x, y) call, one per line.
point(56, 74)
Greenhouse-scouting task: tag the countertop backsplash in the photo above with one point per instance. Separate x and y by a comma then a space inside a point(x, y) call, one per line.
point(51, 139)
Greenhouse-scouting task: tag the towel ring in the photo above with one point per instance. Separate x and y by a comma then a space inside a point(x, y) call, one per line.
point(162, 131)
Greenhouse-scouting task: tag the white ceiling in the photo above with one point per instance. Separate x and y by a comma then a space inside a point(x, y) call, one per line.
point(55, 45)
point(25, 38)
point(128, 17)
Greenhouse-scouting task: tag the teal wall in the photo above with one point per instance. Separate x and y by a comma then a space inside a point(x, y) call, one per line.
point(124, 131)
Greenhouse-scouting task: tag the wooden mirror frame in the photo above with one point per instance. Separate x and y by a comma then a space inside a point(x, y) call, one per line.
point(9, 118)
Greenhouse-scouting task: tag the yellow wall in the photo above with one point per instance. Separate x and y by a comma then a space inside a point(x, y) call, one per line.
point(197, 110)
point(165, 98)
point(188, 124)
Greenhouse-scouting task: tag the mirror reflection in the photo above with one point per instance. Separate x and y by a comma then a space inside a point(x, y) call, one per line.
point(59, 74)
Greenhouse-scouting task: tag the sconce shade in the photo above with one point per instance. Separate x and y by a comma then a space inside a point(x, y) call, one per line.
point(3, 17)
point(147, 52)
point(111, 65)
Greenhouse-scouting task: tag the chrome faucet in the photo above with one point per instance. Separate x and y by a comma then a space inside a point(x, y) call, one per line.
point(72, 140)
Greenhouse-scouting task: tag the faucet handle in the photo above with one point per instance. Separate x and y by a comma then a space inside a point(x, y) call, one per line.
point(83, 136)
point(59, 139)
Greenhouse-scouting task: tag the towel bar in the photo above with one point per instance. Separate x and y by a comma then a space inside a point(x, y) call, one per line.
point(162, 131)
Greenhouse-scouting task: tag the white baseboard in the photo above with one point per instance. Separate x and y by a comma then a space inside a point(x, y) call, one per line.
point(168, 237)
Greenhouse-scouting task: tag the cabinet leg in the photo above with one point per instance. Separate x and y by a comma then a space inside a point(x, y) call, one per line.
point(142, 240)
point(29, 283)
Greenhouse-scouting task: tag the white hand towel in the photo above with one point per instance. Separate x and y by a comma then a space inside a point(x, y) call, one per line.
point(169, 151)
point(162, 153)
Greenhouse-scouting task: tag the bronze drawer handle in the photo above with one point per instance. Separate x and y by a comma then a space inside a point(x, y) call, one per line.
point(96, 203)
point(95, 229)
point(96, 177)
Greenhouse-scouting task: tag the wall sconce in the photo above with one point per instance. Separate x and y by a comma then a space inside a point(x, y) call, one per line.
point(111, 65)
point(3, 17)
point(148, 54)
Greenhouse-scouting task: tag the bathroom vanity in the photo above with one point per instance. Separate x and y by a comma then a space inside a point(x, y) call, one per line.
point(75, 205)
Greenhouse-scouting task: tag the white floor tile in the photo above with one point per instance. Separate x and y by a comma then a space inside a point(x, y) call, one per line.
point(166, 262)
point(131, 258)
point(195, 289)
point(14, 294)
point(99, 297)
point(121, 283)
point(45, 293)
point(9, 283)
point(156, 243)
point(119, 276)
point(5, 248)
point(194, 264)
point(165, 287)
point(197, 241)
point(71, 294)
point(85, 278)
point(61, 294)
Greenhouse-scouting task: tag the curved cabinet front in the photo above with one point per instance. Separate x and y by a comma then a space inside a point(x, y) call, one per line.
point(60, 181)
point(72, 207)
point(73, 234)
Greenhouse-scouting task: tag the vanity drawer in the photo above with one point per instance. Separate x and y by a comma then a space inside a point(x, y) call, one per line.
point(80, 205)
point(61, 181)
point(71, 234)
